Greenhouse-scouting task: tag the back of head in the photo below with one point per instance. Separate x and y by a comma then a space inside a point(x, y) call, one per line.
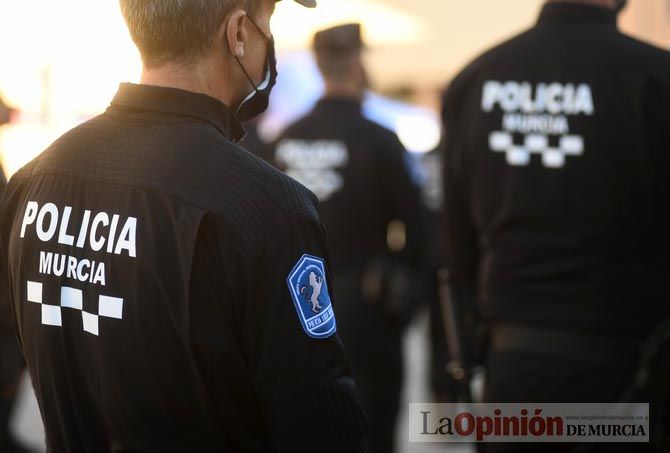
point(177, 31)
point(338, 51)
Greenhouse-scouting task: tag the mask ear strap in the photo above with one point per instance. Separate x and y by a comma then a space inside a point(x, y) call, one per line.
point(246, 73)
point(251, 81)
point(252, 93)
point(268, 39)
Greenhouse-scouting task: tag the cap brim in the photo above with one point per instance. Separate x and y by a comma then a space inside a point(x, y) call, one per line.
point(307, 3)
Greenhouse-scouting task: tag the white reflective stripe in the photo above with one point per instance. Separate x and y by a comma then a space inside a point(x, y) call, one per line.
point(90, 322)
point(500, 141)
point(536, 143)
point(34, 292)
point(71, 298)
point(110, 307)
point(572, 145)
point(51, 315)
point(553, 158)
point(518, 156)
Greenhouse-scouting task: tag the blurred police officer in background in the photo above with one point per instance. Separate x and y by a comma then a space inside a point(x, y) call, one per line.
point(11, 359)
point(371, 211)
point(171, 291)
point(556, 193)
point(443, 384)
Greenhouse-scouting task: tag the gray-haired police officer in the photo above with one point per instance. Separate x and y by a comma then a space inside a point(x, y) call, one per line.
point(170, 290)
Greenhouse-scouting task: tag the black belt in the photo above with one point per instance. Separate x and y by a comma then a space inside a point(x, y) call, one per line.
point(567, 344)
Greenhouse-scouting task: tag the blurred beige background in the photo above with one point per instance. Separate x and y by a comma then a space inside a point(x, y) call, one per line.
point(61, 62)
point(456, 31)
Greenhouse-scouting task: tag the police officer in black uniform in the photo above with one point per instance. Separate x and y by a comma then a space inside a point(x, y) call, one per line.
point(556, 180)
point(171, 291)
point(357, 169)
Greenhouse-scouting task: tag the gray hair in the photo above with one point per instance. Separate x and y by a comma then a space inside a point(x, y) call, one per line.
point(167, 31)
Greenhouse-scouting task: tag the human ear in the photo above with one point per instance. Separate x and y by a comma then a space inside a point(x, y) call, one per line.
point(236, 33)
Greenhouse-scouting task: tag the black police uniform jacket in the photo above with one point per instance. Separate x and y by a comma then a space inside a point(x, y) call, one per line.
point(148, 259)
point(358, 170)
point(556, 176)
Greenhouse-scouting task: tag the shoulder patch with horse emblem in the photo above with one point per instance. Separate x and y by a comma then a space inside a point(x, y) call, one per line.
point(309, 291)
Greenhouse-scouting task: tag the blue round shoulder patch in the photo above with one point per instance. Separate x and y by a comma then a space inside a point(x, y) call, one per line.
point(309, 291)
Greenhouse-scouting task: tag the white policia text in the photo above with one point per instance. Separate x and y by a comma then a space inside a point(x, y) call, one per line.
point(540, 114)
point(99, 232)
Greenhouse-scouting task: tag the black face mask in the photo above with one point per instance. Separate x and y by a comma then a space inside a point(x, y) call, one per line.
point(257, 101)
point(620, 4)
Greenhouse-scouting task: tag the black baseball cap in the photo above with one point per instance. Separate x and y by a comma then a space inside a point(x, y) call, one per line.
point(306, 3)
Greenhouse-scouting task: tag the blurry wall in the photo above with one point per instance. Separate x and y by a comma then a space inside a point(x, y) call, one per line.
point(459, 30)
point(456, 32)
point(61, 61)
point(648, 20)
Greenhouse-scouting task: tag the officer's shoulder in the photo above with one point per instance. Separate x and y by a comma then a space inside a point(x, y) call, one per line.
point(501, 54)
point(27, 171)
point(207, 168)
point(255, 196)
point(13, 186)
point(378, 134)
point(189, 161)
point(297, 127)
point(642, 56)
point(276, 187)
point(22, 173)
point(363, 128)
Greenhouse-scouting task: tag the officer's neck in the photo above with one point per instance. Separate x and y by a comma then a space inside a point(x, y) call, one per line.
point(201, 77)
point(347, 90)
point(609, 4)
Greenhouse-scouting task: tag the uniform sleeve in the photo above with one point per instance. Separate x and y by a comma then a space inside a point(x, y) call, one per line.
point(301, 373)
point(461, 249)
point(402, 198)
point(657, 109)
point(655, 243)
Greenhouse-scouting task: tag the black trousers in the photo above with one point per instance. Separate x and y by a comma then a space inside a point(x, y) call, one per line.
point(527, 377)
point(11, 367)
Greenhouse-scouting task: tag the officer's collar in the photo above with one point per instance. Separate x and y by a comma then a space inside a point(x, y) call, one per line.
point(180, 102)
point(566, 12)
point(339, 103)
